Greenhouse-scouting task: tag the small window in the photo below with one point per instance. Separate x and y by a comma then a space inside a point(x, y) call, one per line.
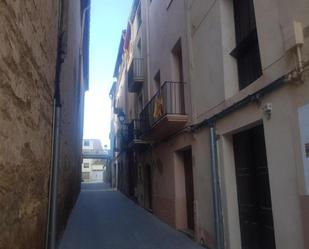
point(247, 52)
point(85, 175)
point(86, 143)
point(86, 165)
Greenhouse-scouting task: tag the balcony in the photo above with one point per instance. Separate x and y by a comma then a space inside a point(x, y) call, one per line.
point(165, 113)
point(121, 139)
point(136, 75)
point(135, 134)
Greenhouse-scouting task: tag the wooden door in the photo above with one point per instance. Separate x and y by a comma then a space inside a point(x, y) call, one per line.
point(253, 189)
point(148, 186)
point(132, 174)
point(189, 187)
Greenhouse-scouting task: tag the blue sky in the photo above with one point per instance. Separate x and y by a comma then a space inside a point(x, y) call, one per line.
point(108, 19)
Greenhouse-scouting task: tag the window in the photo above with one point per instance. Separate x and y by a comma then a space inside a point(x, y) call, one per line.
point(177, 68)
point(86, 165)
point(139, 16)
point(140, 103)
point(85, 175)
point(247, 50)
point(139, 48)
point(157, 80)
point(86, 143)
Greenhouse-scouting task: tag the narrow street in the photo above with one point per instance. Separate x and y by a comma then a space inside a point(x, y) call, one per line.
point(106, 219)
point(143, 124)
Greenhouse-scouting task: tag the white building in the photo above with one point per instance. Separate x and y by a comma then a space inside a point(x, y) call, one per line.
point(93, 169)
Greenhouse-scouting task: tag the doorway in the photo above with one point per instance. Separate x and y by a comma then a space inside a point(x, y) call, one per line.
point(253, 190)
point(148, 186)
point(189, 187)
point(177, 87)
point(132, 174)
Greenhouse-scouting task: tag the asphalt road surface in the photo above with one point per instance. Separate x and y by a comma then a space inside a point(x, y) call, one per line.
point(106, 219)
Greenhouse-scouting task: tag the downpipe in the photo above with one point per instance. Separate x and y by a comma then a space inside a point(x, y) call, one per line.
point(51, 230)
point(219, 231)
point(53, 186)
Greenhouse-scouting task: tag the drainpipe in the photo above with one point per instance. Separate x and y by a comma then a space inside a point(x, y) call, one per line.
point(147, 28)
point(53, 189)
point(50, 242)
point(216, 190)
point(83, 29)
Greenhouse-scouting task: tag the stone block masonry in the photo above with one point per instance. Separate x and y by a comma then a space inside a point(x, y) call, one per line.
point(28, 48)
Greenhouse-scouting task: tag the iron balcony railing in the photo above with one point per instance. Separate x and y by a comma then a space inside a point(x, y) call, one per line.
point(136, 74)
point(169, 100)
point(121, 138)
point(134, 130)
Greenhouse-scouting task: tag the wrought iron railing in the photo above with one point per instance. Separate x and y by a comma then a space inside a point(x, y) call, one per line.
point(134, 130)
point(169, 100)
point(121, 138)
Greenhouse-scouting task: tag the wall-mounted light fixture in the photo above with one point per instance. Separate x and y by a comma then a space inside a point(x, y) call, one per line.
point(121, 117)
point(268, 108)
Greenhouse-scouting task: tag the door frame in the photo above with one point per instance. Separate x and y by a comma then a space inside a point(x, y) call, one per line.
point(229, 185)
point(180, 190)
point(250, 145)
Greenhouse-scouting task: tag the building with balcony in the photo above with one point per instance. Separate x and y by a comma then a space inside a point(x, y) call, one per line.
point(128, 96)
point(217, 126)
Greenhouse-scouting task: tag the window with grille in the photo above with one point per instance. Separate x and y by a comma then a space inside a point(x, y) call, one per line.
point(247, 52)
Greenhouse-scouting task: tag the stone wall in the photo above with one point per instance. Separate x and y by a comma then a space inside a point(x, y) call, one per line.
point(71, 120)
point(28, 45)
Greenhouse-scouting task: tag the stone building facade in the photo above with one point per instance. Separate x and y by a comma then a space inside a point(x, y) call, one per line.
point(223, 124)
point(28, 50)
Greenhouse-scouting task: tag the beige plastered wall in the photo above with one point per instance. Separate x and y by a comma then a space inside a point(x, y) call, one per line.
point(285, 169)
point(214, 86)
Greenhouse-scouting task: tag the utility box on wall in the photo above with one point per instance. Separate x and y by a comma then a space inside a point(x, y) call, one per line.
point(293, 35)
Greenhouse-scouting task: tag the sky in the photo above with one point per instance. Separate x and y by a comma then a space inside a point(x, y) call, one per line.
point(108, 19)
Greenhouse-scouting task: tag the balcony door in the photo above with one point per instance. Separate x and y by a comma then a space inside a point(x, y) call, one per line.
point(175, 90)
point(187, 159)
point(139, 49)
